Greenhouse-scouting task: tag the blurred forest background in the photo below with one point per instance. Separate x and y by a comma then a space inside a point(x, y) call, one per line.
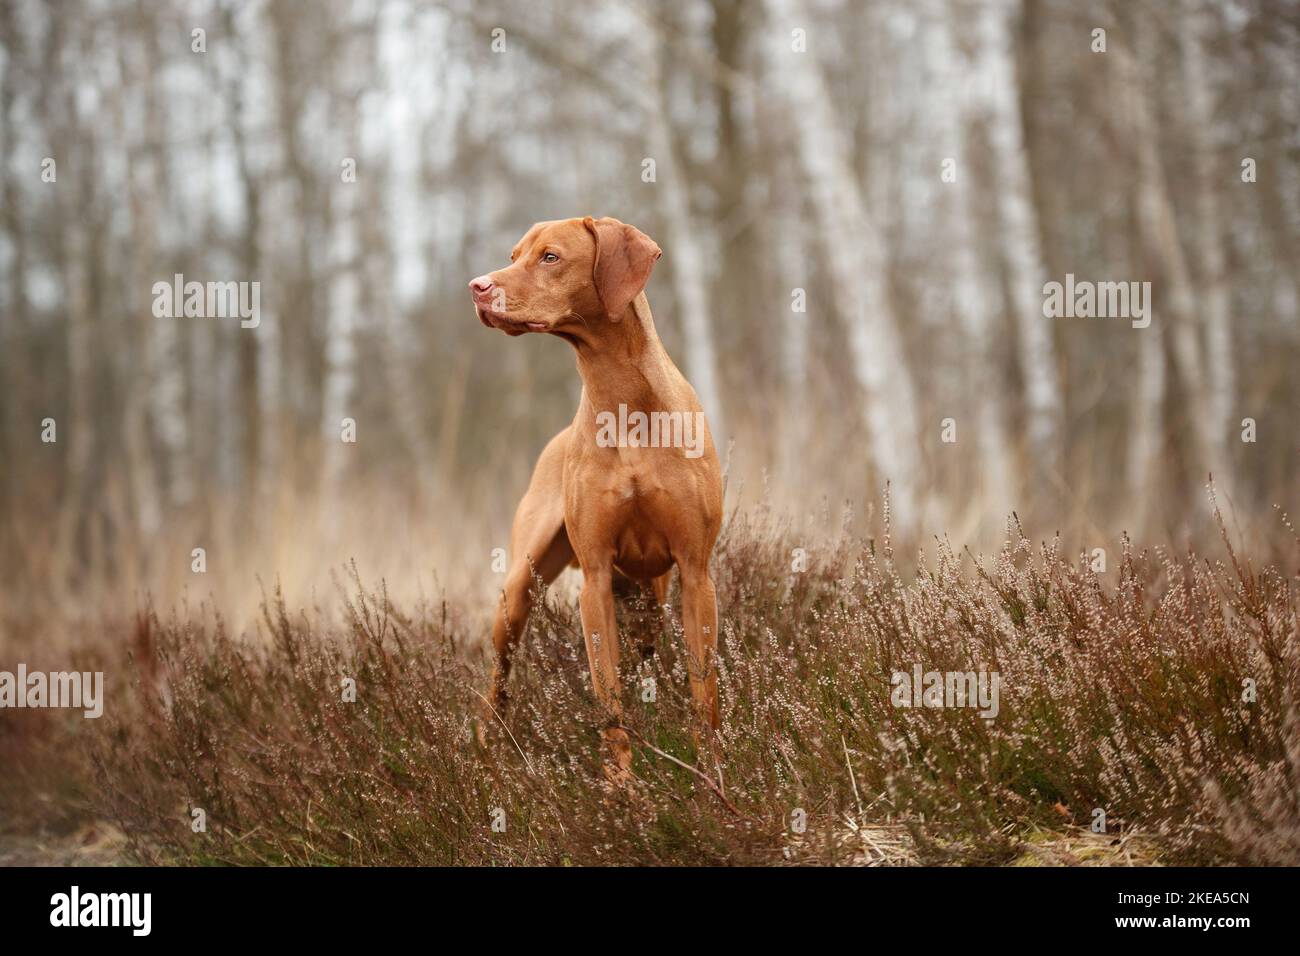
point(775, 170)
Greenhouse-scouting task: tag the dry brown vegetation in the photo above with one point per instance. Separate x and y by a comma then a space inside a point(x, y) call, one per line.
point(1121, 691)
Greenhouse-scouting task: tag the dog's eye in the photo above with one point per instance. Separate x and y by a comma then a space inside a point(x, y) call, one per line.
point(550, 257)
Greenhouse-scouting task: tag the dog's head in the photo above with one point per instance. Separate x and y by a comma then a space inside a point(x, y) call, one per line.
point(566, 273)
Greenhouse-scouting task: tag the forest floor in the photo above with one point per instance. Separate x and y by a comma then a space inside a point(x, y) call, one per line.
point(1156, 703)
point(94, 844)
point(103, 844)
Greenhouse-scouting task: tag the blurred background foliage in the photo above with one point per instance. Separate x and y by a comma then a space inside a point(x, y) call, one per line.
point(774, 171)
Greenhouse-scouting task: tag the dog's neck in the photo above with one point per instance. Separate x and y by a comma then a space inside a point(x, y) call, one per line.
point(625, 363)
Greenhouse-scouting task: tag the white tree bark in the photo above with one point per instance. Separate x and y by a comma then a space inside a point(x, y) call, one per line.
point(1146, 430)
point(398, 292)
point(686, 255)
point(977, 297)
point(1172, 315)
point(342, 304)
point(855, 259)
point(340, 353)
point(143, 192)
point(78, 424)
point(167, 405)
point(790, 247)
point(1193, 27)
point(1175, 313)
point(995, 76)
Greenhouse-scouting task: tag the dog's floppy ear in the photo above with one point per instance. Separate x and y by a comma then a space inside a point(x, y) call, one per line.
point(624, 258)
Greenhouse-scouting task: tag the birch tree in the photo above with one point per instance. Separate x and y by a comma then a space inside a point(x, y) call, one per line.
point(255, 347)
point(12, 219)
point(165, 378)
point(855, 257)
point(994, 76)
point(1212, 286)
point(681, 233)
point(1162, 254)
point(77, 428)
point(976, 297)
point(343, 300)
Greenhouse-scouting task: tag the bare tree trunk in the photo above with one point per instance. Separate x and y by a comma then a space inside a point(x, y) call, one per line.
point(738, 308)
point(855, 260)
point(166, 370)
point(790, 247)
point(137, 429)
point(77, 427)
point(1011, 185)
point(1220, 381)
point(297, 300)
point(690, 283)
point(390, 286)
point(1164, 255)
point(13, 329)
point(253, 406)
point(977, 298)
point(340, 350)
point(72, 197)
point(1283, 190)
point(1146, 435)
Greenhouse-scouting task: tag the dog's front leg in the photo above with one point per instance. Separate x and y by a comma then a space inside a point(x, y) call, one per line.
point(601, 634)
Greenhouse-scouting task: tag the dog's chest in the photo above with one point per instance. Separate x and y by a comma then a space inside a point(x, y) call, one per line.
point(631, 509)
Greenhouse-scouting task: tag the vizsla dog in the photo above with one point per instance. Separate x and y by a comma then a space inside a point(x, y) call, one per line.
point(615, 502)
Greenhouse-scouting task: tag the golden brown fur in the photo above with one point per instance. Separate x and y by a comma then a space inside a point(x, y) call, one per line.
point(633, 511)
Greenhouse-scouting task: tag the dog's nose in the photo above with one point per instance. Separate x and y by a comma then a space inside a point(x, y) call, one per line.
point(481, 286)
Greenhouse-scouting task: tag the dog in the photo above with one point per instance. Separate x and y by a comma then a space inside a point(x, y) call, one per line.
point(618, 502)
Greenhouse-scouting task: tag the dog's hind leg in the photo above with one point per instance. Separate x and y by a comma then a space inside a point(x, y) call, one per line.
point(662, 615)
point(700, 627)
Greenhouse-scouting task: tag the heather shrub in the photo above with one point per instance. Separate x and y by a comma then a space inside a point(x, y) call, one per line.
point(1161, 693)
